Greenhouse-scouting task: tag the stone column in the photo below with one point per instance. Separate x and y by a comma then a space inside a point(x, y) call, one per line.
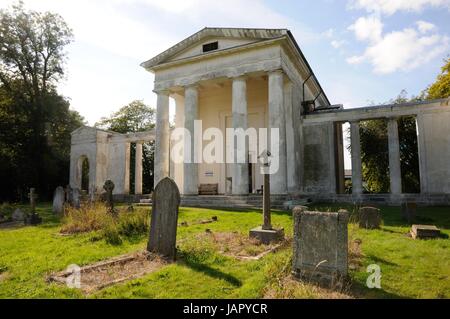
point(394, 157)
point(240, 121)
point(356, 159)
point(190, 170)
point(138, 170)
point(278, 181)
point(162, 137)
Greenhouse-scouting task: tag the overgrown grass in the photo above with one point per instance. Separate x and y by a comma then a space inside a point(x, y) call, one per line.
point(410, 269)
point(95, 217)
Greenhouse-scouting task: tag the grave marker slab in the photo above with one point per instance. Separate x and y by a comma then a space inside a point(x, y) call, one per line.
point(320, 246)
point(164, 220)
point(369, 218)
point(58, 201)
point(409, 211)
point(425, 232)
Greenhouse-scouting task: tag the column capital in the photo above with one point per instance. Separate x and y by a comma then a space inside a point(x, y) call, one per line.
point(165, 92)
point(355, 122)
point(242, 77)
point(393, 118)
point(278, 71)
point(193, 86)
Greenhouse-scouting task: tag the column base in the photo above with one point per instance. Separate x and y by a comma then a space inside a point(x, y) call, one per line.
point(267, 236)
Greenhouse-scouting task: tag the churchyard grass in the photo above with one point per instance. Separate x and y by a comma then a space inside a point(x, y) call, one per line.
point(410, 268)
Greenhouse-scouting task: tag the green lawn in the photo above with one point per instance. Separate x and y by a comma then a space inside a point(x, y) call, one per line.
point(410, 269)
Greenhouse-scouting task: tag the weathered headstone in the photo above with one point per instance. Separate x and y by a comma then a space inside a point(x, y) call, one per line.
point(163, 227)
point(34, 218)
point(58, 201)
point(320, 246)
point(369, 218)
point(18, 215)
point(109, 187)
point(409, 211)
point(76, 198)
point(425, 232)
point(69, 195)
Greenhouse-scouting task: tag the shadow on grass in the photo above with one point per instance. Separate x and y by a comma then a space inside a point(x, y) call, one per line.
point(209, 271)
point(381, 261)
point(359, 290)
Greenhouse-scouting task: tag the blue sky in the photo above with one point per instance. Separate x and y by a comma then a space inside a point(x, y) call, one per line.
point(362, 51)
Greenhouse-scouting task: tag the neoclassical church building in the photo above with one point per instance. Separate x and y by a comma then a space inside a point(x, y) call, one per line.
point(259, 78)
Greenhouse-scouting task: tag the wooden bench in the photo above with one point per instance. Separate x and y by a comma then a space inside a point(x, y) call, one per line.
point(208, 189)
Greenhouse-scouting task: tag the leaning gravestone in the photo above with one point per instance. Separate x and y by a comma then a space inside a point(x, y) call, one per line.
point(58, 201)
point(320, 246)
point(369, 218)
point(163, 227)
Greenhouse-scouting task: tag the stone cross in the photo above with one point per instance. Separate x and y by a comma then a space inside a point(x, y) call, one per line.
point(58, 201)
point(267, 225)
point(109, 187)
point(163, 228)
point(32, 196)
point(34, 218)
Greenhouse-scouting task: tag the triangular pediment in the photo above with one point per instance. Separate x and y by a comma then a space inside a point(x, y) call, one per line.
point(226, 38)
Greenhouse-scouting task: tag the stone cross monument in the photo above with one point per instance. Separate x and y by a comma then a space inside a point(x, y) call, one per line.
point(109, 187)
point(34, 218)
point(266, 234)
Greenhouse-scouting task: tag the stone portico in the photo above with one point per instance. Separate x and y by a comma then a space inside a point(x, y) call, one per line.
point(234, 78)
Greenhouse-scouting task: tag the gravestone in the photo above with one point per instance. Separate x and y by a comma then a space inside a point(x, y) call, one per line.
point(76, 198)
point(34, 218)
point(425, 232)
point(320, 246)
point(69, 195)
point(369, 218)
point(409, 211)
point(18, 215)
point(163, 227)
point(109, 187)
point(58, 201)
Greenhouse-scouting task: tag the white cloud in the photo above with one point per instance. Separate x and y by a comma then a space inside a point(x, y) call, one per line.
point(402, 51)
point(389, 7)
point(337, 43)
point(367, 28)
point(424, 26)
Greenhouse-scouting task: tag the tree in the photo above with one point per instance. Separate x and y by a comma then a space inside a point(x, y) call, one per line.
point(35, 120)
point(440, 89)
point(135, 117)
